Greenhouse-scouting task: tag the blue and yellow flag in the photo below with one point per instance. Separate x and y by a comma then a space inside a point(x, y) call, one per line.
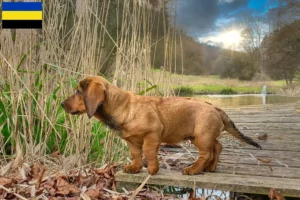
point(25, 15)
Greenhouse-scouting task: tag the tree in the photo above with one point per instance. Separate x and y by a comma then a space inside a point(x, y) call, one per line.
point(286, 12)
point(238, 66)
point(253, 35)
point(283, 52)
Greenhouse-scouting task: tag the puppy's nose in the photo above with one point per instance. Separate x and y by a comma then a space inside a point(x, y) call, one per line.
point(62, 104)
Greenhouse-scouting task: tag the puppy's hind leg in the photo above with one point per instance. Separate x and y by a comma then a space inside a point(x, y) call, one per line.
point(217, 151)
point(204, 143)
point(210, 160)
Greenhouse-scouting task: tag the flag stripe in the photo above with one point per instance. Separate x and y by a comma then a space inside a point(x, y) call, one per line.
point(22, 24)
point(25, 6)
point(22, 15)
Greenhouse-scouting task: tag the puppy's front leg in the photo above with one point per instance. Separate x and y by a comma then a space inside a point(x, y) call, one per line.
point(136, 153)
point(150, 150)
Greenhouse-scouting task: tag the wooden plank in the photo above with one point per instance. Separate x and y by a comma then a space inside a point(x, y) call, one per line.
point(293, 132)
point(237, 115)
point(253, 170)
point(237, 161)
point(281, 155)
point(268, 126)
point(243, 152)
point(272, 139)
point(261, 111)
point(259, 119)
point(241, 166)
point(247, 160)
point(240, 157)
point(265, 146)
point(284, 135)
point(254, 162)
point(217, 181)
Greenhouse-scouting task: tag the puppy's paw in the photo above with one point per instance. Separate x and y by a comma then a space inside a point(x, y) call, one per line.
point(191, 171)
point(132, 169)
point(210, 168)
point(207, 169)
point(153, 169)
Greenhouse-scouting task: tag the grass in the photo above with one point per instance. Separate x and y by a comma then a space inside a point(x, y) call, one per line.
point(215, 85)
point(218, 89)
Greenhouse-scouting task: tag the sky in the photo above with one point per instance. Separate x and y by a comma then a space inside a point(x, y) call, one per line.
point(219, 22)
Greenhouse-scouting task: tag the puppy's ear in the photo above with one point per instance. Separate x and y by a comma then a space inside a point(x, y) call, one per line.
point(94, 95)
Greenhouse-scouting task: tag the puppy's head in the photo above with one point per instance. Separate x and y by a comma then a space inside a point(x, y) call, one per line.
point(89, 95)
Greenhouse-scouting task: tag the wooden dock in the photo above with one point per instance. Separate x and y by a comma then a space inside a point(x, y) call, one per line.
point(242, 168)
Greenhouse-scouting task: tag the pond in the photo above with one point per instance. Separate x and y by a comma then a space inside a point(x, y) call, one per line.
point(246, 99)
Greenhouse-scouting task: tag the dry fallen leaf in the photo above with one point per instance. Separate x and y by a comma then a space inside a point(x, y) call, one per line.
point(264, 160)
point(7, 182)
point(60, 181)
point(263, 137)
point(74, 190)
point(101, 171)
point(92, 193)
point(118, 197)
point(106, 175)
point(273, 194)
point(56, 198)
point(37, 170)
point(55, 154)
point(62, 190)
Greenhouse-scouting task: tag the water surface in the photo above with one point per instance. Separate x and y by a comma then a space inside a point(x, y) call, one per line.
point(246, 99)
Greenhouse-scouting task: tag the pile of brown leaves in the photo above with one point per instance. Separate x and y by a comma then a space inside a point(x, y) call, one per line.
point(31, 182)
point(34, 182)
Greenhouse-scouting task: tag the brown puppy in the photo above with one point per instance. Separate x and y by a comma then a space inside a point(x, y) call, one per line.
point(145, 122)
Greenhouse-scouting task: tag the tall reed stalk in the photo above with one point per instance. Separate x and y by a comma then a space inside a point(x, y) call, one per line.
point(39, 68)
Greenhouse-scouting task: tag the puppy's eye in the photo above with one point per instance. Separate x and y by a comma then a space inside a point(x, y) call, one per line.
point(77, 92)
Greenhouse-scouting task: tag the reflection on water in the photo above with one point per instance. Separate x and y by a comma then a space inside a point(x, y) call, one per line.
point(247, 99)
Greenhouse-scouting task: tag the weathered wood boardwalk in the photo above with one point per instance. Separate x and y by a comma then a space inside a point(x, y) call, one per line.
point(242, 168)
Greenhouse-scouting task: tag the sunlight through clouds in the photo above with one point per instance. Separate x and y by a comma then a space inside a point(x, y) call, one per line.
point(226, 39)
point(225, 1)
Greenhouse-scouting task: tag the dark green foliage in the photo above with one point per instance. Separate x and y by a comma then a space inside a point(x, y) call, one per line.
point(184, 91)
point(239, 66)
point(228, 91)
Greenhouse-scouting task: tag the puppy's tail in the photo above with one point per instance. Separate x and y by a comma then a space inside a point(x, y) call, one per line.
point(234, 131)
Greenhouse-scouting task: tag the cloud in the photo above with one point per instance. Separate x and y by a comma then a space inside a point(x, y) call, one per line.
point(200, 18)
point(225, 1)
point(196, 16)
point(209, 20)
